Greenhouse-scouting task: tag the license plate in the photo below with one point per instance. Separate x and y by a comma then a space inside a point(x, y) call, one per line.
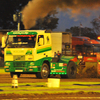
point(18, 70)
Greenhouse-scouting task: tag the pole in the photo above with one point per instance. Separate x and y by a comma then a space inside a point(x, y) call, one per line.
point(80, 32)
point(18, 26)
point(80, 29)
point(19, 18)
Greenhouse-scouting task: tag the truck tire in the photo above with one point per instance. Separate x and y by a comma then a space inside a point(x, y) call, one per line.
point(71, 70)
point(11, 74)
point(45, 71)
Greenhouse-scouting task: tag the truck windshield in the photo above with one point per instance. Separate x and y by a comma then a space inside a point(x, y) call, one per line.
point(21, 41)
point(96, 48)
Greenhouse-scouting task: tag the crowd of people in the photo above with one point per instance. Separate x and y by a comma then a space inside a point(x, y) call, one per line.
point(58, 54)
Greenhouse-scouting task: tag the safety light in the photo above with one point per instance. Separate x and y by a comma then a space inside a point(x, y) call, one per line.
point(33, 66)
point(99, 63)
point(7, 69)
point(64, 64)
point(25, 35)
point(98, 37)
point(80, 57)
point(30, 69)
point(6, 66)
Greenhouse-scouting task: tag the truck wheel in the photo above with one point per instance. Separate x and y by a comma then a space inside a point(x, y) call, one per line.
point(45, 72)
point(71, 70)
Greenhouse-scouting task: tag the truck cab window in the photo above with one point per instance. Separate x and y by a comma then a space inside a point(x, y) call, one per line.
point(40, 40)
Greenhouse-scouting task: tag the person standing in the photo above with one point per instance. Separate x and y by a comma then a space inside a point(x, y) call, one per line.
point(55, 54)
point(59, 54)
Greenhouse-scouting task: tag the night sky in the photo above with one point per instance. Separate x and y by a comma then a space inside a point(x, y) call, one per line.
point(65, 21)
point(70, 12)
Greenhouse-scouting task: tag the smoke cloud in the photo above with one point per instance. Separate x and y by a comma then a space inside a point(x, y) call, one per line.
point(40, 8)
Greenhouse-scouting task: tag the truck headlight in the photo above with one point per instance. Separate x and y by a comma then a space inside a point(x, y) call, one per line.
point(31, 63)
point(80, 57)
point(8, 52)
point(7, 63)
point(29, 52)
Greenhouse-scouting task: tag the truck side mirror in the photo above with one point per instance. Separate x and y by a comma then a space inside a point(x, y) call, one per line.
point(40, 41)
point(3, 41)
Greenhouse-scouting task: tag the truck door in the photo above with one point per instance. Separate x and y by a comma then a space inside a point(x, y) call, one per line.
point(40, 47)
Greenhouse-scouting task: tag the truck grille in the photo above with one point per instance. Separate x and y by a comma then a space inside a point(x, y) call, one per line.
point(19, 57)
point(19, 64)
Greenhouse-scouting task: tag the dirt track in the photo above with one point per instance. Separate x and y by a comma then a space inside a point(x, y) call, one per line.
point(65, 96)
point(29, 78)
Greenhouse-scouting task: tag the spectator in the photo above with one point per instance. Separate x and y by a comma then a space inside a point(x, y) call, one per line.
point(55, 54)
point(59, 54)
point(2, 53)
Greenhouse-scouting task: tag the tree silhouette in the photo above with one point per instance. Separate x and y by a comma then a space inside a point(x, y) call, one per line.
point(96, 25)
point(89, 32)
point(7, 9)
point(10, 7)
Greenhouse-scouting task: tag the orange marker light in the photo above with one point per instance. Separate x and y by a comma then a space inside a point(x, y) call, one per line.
point(98, 37)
